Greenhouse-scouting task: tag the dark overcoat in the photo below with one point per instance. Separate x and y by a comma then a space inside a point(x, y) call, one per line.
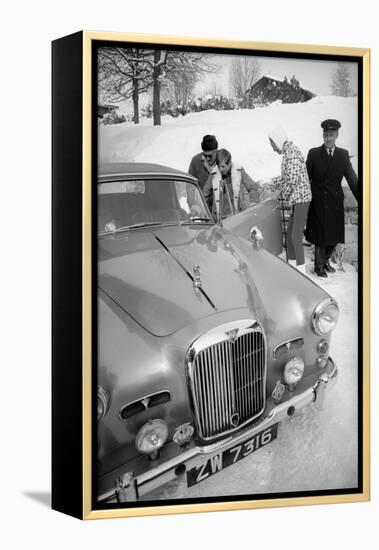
point(326, 217)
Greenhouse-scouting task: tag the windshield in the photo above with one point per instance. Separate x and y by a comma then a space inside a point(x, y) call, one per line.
point(128, 204)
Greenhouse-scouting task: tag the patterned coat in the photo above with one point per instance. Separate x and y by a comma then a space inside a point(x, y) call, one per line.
point(240, 187)
point(293, 182)
point(326, 216)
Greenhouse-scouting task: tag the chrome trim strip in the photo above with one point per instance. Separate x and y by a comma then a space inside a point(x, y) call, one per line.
point(285, 342)
point(106, 178)
point(141, 400)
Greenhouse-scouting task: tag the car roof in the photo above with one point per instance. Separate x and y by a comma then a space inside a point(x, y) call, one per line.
point(139, 169)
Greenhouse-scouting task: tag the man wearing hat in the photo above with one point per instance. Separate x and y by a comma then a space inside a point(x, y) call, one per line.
point(204, 163)
point(326, 166)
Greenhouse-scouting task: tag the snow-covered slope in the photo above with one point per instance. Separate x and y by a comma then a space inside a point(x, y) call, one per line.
point(243, 132)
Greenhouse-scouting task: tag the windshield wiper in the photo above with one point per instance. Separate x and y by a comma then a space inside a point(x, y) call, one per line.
point(135, 226)
point(197, 219)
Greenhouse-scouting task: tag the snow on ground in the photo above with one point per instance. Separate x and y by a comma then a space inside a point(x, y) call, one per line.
point(315, 449)
point(244, 132)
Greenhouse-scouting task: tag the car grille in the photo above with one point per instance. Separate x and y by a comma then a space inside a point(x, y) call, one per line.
point(228, 383)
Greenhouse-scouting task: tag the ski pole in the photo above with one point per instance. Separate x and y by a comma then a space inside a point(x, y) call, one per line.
point(284, 225)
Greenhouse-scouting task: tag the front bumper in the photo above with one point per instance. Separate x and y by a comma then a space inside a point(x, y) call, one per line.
point(144, 476)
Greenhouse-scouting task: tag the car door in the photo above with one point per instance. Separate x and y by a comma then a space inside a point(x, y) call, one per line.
point(266, 217)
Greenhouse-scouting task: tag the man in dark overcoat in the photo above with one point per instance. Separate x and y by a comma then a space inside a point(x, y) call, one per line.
point(326, 166)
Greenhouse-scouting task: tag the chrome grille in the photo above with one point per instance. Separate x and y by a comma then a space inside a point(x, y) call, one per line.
point(228, 383)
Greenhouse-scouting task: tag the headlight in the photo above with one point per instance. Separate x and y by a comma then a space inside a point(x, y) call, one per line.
point(102, 403)
point(325, 317)
point(151, 437)
point(293, 372)
point(322, 361)
point(323, 347)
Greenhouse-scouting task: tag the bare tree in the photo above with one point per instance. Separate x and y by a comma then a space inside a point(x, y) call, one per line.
point(123, 73)
point(214, 89)
point(183, 74)
point(244, 72)
point(158, 67)
point(126, 73)
point(180, 73)
point(341, 81)
point(179, 89)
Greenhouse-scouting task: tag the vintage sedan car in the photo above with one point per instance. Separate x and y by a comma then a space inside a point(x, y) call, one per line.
point(206, 338)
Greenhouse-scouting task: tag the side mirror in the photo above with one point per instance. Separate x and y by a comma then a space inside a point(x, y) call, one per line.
point(256, 236)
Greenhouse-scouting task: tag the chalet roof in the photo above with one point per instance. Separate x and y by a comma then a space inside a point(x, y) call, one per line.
point(276, 79)
point(271, 77)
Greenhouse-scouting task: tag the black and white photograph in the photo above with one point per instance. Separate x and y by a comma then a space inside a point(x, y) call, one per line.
point(228, 274)
point(189, 267)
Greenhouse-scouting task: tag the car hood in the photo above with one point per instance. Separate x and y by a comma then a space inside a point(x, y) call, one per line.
point(150, 274)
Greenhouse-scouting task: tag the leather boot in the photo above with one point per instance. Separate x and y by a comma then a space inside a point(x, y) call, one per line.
point(320, 272)
point(328, 267)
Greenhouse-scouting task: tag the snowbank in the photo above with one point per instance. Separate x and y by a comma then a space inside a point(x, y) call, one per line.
point(243, 132)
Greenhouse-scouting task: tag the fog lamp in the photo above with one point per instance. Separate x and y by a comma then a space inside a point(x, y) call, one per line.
point(183, 434)
point(322, 361)
point(323, 347)
point(293, 372)
point(151, 437)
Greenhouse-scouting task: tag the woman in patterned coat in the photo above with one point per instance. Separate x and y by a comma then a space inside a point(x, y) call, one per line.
point(296, 190)
point(238, 189)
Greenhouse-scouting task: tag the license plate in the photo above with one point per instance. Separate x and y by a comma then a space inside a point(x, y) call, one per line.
point(230, 456)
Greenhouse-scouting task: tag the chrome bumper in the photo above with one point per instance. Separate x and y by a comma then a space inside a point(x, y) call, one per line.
point(130, 488)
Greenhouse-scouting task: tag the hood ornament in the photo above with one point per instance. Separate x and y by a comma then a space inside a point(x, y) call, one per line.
point(232, 335)
point(145, 402)
point(196, 277)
